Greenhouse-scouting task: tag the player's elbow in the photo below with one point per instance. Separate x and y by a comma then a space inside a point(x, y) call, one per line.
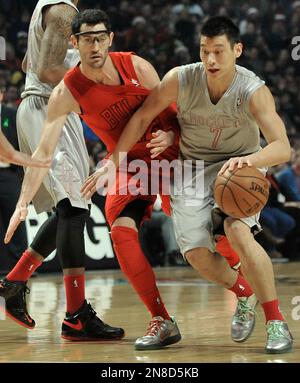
point(288, 154)
point(285, 152)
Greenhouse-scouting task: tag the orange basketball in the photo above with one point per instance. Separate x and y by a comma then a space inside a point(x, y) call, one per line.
point(242, 192)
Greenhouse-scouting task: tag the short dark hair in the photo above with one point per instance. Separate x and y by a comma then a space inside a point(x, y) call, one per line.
point(220, 25)
point(90, 17)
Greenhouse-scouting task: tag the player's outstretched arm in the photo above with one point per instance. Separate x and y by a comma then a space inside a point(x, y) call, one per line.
point(164, 94)
point(278, 150)
point(60, 105)
point(10, 155)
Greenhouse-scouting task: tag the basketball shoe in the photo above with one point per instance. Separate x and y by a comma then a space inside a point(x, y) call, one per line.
point(14, 293)
point(243, 320)
point(279, 339)
point(160, 333)
point(84, 325)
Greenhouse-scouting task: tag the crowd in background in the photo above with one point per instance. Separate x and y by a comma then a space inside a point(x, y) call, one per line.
point(166, 32)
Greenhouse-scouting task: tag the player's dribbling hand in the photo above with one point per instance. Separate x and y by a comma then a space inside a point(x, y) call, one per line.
point(238, 162)
point(19, 215)
point(160, 142)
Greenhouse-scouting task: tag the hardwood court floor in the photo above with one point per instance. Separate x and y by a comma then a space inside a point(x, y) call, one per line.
point(203, 312)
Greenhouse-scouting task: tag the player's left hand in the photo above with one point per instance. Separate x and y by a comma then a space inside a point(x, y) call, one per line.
point(19, 215)
point(160, 142)
point(234, 162)
point(95, 181)
point(101, 181)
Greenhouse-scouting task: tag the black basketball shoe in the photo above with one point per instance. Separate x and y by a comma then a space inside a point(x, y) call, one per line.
point(84, 325)
point(14, 294)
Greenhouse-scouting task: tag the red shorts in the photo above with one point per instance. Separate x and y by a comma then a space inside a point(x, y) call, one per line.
point(116, 202)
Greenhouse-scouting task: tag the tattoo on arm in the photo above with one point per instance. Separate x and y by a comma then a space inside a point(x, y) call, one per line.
point(54, 45)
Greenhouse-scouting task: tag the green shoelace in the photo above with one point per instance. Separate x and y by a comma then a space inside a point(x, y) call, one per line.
point(242, 310)
point(274, 331)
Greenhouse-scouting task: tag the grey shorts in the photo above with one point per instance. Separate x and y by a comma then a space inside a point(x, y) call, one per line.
point(71, 161)
point(191, 211)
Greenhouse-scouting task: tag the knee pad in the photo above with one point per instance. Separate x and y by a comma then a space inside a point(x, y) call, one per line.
point(70, 234)
point(66, 210)
point(44, 242)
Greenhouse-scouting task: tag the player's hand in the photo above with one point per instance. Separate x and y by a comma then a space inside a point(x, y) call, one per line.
point(91, 184)
point(19, 215)
point(160, 142)
point(234, 162)
point(23, 159)
point(100, 181)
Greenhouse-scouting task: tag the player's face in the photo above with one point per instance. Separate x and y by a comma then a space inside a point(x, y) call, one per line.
point(93, 47)
point(218, 56)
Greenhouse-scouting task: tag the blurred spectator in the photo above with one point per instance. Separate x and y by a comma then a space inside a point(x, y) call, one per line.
point(275, 221)
point(166, 32)
point(289, 181)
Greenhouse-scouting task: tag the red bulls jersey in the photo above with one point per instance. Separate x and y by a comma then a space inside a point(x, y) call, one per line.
point(106, 109)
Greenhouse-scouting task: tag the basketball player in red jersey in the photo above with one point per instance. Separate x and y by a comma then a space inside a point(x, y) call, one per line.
point(105, 90)
point(10, 155)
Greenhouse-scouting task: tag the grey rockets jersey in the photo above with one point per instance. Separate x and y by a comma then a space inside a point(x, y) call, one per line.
point(32, 84)
point(216, 132)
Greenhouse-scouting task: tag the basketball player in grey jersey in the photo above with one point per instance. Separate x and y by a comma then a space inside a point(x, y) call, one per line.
point(221, 108)
point(46, 61)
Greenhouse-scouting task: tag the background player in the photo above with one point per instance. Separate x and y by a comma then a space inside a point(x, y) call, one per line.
point(45, 63)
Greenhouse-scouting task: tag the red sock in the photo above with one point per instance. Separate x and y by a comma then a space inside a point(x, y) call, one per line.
point(241, 287)
point(272, 310)
point(25, 267)
point(137, 269)
point(224, 248)
point(75, 293)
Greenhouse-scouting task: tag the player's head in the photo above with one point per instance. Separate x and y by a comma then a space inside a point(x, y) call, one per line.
point(92, 36)
point(220, 45)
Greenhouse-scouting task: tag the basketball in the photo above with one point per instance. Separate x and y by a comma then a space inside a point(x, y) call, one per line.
point(242, 192)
